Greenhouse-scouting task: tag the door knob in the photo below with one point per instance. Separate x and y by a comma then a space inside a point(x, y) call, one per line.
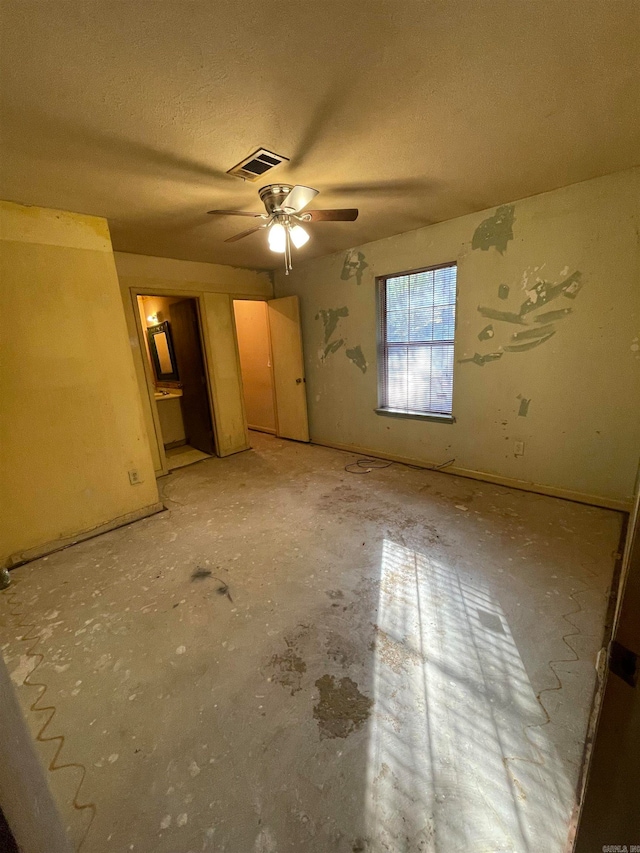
point(298, 381)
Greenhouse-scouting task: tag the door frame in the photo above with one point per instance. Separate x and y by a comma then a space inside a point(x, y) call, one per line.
point(274, 313)
point(148, 373)
point(265, 300)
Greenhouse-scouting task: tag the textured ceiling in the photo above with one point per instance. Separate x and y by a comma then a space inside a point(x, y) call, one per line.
point(415, 111)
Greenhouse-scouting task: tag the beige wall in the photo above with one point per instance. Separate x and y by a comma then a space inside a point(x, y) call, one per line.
point(252, 327)
point(71, 421)
point(582, 428)
point(214, 286)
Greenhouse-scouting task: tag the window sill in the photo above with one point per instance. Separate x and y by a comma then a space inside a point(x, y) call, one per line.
point(420, 416)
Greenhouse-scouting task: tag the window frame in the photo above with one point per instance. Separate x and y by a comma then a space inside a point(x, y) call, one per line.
point(383, 348)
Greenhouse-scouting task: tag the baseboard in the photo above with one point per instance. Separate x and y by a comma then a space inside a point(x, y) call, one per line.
point(262, 429)
point(38, 551)
point(522, 485)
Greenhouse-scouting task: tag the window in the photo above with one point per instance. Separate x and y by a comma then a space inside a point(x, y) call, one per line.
point(417, 312)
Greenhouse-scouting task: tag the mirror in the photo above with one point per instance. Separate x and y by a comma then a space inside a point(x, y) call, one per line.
point(162, 354)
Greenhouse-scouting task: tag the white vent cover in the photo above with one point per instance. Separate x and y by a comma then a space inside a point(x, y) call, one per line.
point(255, 166)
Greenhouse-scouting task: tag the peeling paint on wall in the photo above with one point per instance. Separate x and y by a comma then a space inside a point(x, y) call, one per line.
point(523, 411)
point(539, 295)
point(353, 267)
point(505, 316)
point(544, 291)
point(538, 332)
point(334, 346)
point(529, 345)
point(330, 319)
point(495, 231)
point(486, 333)
point(548, 316)
point(481, 360)
point(356, 355)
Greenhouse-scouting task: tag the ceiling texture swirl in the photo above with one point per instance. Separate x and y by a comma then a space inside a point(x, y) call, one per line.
point(412, 111)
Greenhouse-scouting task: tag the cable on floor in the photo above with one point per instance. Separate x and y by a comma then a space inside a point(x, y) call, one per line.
point(34, 639)
point(366, 466)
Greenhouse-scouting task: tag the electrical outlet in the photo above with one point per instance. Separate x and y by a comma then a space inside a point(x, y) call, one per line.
point(518, 448)
point(134, 477)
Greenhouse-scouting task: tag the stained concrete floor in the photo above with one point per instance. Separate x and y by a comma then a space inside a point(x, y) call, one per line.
point(295, 658)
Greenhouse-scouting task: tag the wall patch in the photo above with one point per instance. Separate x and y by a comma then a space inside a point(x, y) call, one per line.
point(481, 360)
point(356, 355)
point(529, 345)
point(353, 267)
point(495, 231)
point(544, 291)
point(523, 411)
point(539, 326)
point(334, 346)
point(486, 333)
point(536, 332)
point(505, 316)
point(330, 319)
point(550, 316)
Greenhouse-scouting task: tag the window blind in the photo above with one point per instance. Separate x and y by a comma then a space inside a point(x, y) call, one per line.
point(417, 315)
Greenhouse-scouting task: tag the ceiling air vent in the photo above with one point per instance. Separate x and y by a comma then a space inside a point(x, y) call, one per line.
point(257, 164)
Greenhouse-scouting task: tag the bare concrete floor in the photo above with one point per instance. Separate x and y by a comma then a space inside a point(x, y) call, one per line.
point(295, 658)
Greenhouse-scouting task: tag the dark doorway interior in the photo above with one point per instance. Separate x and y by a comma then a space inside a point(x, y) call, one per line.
point(196, 413)
point(7, 841)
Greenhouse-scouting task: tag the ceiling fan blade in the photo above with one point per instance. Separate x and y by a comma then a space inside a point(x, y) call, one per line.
point(244, 234)
point(235, 213)
point(299, 198)
point(346, 214)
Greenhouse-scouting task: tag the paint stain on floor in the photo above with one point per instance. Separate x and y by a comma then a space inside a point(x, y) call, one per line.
point(288, 669)
point(341, 708)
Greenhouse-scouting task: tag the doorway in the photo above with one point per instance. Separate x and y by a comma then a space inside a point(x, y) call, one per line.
point(256, 364)
point(272, 366)
point(180, 389)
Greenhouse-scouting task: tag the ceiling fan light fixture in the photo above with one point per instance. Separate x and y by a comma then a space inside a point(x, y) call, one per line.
point(299, 236)
point(285, 208)
point(277, 238)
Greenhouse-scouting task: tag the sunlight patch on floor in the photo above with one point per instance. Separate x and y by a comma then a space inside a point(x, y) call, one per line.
point(458, 760)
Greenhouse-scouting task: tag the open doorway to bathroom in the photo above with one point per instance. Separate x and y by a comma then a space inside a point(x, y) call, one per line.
point(173, 345)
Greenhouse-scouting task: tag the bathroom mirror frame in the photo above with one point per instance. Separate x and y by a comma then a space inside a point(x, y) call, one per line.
point(162, 352)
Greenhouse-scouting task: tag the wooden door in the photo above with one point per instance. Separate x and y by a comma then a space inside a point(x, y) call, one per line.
point(196, 413)
point(288, 368)
point(610, 815)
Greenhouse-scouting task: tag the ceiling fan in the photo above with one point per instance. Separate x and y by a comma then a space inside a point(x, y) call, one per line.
point(284, 205)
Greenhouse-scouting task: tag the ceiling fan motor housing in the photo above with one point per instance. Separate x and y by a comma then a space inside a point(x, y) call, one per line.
point(273, 196)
